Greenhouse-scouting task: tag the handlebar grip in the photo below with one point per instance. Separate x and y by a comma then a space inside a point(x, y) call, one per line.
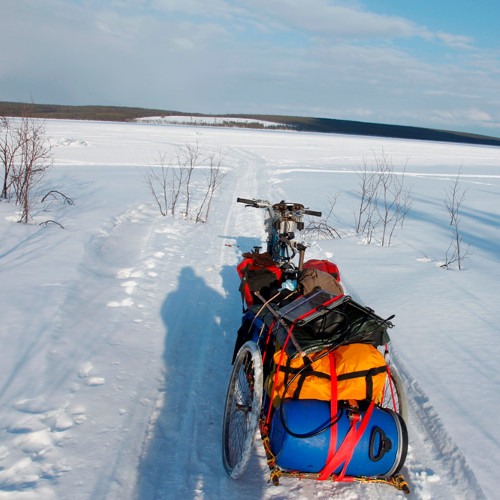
point(244, 200)
point(312, 212)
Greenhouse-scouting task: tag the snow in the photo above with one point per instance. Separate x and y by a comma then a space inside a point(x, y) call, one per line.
point(208, 120)
point(117, 331)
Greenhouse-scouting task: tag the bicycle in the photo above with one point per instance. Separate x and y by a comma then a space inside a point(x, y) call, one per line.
point(263, 338)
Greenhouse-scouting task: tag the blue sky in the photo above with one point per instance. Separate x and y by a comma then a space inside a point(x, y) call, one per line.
point(423, 63)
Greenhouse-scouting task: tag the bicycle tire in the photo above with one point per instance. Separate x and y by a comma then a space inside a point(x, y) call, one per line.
point(394, 397)
point(242, 409)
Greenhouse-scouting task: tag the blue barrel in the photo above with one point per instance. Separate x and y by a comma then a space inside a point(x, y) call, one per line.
point(380, 452)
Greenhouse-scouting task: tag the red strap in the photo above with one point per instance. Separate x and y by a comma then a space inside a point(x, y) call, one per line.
point(346, 449)
point(392, 388)
point(267, 341)
point(333, 407)
point(283, 350)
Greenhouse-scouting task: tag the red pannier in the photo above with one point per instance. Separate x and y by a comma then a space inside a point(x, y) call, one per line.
point(325, 266)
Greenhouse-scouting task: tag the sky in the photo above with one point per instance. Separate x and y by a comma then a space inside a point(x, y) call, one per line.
point(428, 63)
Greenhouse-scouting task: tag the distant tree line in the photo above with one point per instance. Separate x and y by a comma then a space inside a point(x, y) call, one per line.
point(307, 124)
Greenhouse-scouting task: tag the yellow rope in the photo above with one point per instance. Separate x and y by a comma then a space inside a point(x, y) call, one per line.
point(397, 482)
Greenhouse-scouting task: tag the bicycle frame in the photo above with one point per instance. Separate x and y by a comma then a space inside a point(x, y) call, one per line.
point(283, 221)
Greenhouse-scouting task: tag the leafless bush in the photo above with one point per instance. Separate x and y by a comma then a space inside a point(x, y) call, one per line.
point(322, 229)
point(9, 153)
point(170, 183)
point(26, 154)
point(50, 221)
point(188, 158)
point(454, 197)
point(364, 221)
point(158, 182)
point(214, 181)
point(394, 201)
point(56, 195)
point(384, 200)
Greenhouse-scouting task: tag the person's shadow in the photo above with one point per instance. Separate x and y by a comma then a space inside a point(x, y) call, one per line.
point(182, 453)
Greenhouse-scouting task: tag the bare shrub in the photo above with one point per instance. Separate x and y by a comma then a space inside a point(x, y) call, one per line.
point(58, 195)
point(188, 158)
point(384, 200)
point(36, 157)
point(323, 229)
point(393, 200)
point(214, 181)
point(170, 183)
point(158, 182)
point(9, 153)
point(26, 154)
point(364, 221)
point(454, 197)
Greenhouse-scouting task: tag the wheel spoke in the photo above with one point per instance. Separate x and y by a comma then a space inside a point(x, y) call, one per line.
point(242, 408)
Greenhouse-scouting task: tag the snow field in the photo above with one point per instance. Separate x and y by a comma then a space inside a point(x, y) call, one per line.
point(119, 329)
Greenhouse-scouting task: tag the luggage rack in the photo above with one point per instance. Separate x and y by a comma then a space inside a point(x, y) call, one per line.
point(320, 302)
point(307, 312)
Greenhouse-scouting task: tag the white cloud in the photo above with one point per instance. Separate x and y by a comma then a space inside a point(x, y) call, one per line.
point(458, 118)
point(334, 19)
point(455, 41)
point(448, 93)
point(478, 115)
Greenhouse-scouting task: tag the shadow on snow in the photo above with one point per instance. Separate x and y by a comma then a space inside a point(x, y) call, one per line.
point(182, 453)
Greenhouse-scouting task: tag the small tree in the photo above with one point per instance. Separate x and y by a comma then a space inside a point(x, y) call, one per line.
point(384, 200)
point(394, 201)
point(36, 156)
point(454, 197)
point(172, 182)
point(25, 154)
point(9, 153)
point(364, 222)
point(188, 158)
point(322, 228)
point(157, 182)
point(214, 181)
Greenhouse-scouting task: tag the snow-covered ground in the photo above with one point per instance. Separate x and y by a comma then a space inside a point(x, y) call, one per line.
point(117, 331)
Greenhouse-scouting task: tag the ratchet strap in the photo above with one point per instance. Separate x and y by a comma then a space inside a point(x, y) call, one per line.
point(344, 454)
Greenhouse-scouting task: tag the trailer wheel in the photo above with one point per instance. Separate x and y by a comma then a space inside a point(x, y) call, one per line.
point(242, 409)
point(395, 395)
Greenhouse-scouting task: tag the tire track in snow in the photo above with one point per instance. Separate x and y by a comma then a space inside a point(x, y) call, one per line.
point(436, 468)
point(181, 456)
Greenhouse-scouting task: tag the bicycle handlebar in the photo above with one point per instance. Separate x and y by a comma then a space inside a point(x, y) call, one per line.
point(266, 204)
point(312, 212)
point(247, 202)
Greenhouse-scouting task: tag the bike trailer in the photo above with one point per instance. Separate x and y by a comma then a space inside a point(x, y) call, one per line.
point(308, 370)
